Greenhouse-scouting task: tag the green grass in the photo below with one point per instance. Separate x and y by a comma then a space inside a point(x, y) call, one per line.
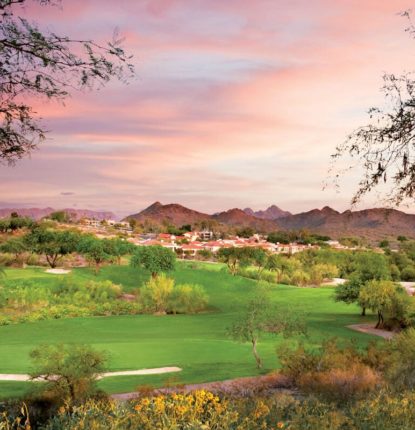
point(196, 343)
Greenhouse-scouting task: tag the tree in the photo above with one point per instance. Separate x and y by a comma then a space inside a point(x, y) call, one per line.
point(366, 266)
point(14, 223)
point(94, 250)
point(282, 266)
point(69, 370)
point(385, 146)
point(379, 296)
point(235, 257)
point(246, 232)
point(60, 216)
point(118, 248)
point(155, 259)
point(260, 317)
point(16, 246)
point(36, 63)
point(54, 244)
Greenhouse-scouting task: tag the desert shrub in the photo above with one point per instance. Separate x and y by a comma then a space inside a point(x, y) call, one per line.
point(332, 373)
point(251, 273)
point(320, 271)
point(209, 411)
point(299, 278)
point(385, 411)
point(401, 366)
point(29, 301)
point(204, 254)
point(160, 295)
point(154, 296)
point(187, 298)
point(340, 384)
point(7, 260)
point(408, 274)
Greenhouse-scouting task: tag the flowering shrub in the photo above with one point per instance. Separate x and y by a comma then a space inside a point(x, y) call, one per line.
point(203, 410)
point(160, 295)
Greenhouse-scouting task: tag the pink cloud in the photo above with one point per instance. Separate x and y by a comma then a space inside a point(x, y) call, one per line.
point(232, 98)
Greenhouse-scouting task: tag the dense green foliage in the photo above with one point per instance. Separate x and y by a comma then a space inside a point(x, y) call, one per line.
point(155, 259)
point(160, 295)
point(53, 244)
point(29, 300)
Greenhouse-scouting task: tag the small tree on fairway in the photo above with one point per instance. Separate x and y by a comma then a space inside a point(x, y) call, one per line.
point(16, 246)
point(54, 244)
point(69, 370)
point(155, 259)
point(94, 250)
point(118, 248)
point(262, 317)
point(236, 257)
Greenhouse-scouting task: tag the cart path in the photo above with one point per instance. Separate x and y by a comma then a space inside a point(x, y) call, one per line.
point(370, 329)
point(157, 371)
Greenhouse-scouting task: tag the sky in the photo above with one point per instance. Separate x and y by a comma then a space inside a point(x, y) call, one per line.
point(235, 103)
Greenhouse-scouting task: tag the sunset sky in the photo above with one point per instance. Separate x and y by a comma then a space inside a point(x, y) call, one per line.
point(236, 103)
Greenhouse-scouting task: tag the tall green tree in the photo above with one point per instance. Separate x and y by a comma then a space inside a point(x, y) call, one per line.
point(366, 266)
point(16, 246)
point(95, 250)
point(383, 297)
point(155, 259)
point(53, 244)
point(118, 248)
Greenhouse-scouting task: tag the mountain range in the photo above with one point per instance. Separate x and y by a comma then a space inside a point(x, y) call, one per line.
point(374, 223)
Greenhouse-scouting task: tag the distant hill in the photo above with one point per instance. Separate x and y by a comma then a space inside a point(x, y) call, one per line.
point(239, 218)
point(179, 215)
point(39, 213)
point(175, 214)
point(273, 212)
point(371, 223)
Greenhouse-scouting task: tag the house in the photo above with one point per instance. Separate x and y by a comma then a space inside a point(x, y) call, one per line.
point(191, 249)
point(206, 235)
point(213, 246)
point(90, 222)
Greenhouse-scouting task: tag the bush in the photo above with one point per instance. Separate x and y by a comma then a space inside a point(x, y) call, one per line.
point(159, 295)
point(408, 274)
point(341, 384)
point(26, 300)
point(333, 373)
point(155, 295)
point(187, 298)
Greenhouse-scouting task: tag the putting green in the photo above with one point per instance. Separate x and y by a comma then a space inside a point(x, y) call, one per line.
point(196, 343)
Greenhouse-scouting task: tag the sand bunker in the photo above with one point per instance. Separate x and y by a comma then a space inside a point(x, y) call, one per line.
point(156, 371)
point(58, 271)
